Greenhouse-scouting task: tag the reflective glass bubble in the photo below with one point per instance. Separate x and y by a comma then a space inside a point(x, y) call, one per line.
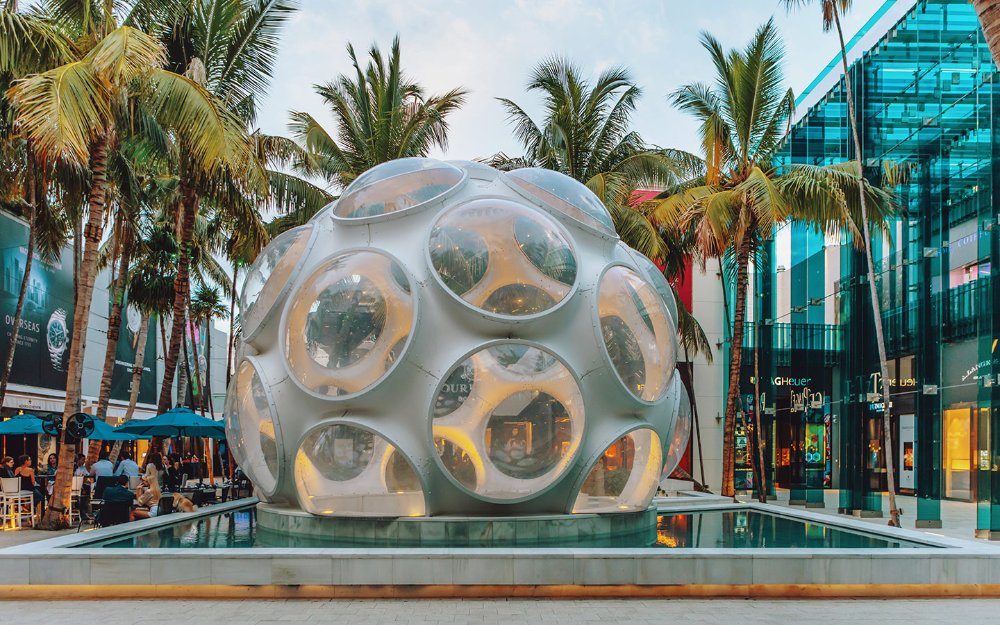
point(637, 332)
point(344, 470)
point(678, 443)
point(348, 323)
point(503, 258)
point(250, 428)
point(269, 276)
point(564, 194)
point(396, 186)
point(659, 282)
point(507, 421)
point(625, 477)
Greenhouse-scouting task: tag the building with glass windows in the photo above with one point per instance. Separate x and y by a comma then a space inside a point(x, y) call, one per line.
point(925, 91)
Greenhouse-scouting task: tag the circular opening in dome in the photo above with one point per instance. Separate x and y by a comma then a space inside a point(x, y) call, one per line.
point(252, 429)
point(342, 469)
point(270, 276)
point(565, 195)
point(349, 323)
point(507, 421)
point(503, 258)
point(637, 333)
point(624, 477)
point(397, 186)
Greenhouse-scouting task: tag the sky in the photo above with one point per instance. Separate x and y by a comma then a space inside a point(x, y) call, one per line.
point(490, 46)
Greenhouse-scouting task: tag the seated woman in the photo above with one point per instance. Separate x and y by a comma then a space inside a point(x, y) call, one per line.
point(7, 467)
point(28, 480)
point(148, 496)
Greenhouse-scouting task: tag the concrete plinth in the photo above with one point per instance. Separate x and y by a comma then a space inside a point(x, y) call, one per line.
point(282, 525)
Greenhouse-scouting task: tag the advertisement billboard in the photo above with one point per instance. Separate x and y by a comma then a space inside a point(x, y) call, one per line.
point(41, 357)
point(128, 343)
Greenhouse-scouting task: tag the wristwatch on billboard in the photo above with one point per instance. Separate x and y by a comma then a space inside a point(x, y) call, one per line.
point(57, 337)
point(133, 321)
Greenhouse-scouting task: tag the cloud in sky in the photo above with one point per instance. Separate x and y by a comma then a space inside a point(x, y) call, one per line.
point(490, 47)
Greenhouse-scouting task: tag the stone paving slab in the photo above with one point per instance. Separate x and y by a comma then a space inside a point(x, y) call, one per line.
point(540, 612)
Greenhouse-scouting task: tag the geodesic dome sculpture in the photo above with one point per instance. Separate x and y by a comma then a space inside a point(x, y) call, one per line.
point(449, 339)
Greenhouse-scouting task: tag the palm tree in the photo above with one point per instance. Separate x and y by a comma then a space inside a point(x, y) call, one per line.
point(207, 306)
point(831, 9)
point(742, 119)
point(72, 112)
point(585, 133)
point(228, 47)
point(28, 44)
point(381, 115)
point(989, 18)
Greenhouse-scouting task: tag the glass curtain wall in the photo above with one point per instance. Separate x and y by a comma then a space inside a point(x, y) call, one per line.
point(926, 96)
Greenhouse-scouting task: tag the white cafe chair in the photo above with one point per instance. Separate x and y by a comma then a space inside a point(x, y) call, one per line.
point(21, 502)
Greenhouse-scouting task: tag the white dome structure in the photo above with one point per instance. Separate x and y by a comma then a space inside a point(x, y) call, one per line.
point(447, 339)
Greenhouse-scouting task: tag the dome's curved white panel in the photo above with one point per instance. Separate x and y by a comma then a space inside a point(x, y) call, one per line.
point(625, 477)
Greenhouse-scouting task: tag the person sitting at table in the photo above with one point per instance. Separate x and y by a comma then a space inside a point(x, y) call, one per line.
point(7, 467)
point(153, 471)
point(118, 492)
point(172, 474)
point(103, 466)
point(148, 496)
point(28, 480)
point(127, 466)
point(80, 466)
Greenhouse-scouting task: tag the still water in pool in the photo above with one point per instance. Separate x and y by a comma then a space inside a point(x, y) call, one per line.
point(717, 529)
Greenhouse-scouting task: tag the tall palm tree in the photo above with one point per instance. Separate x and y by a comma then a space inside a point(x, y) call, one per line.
point(206, 306)
point(28, 44)
point(743, 117)
point(989, 18)
point(381, 115)
point(229, 48)
point(831, 10)
point(585, 132)
point(72, 112)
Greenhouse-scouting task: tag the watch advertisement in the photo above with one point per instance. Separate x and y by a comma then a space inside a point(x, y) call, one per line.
point(128, 343)
point(41, 357)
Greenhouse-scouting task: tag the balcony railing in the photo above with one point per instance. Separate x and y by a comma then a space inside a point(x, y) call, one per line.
point(811, 339)
point(961, 310)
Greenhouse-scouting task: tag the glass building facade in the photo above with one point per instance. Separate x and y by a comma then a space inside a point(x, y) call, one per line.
point(927, 98)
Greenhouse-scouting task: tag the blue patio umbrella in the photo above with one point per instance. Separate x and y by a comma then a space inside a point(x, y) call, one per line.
point(21, 424)
point(104, 432)
point(175, 422)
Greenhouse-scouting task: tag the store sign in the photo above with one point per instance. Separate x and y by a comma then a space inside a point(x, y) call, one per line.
point(128, 343)
point(42, 355)
point(876, 380)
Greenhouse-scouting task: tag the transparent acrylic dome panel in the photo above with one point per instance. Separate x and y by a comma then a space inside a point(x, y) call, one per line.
point(625, 477)
point(503, 258)
point(345, 470)
point(250, 427)
point(396, 186)
point(270, 274)
point(508, 421)
point(678, 443)
point(637, 331)
point(348, 323)
point(659, 282)
point(564, 194)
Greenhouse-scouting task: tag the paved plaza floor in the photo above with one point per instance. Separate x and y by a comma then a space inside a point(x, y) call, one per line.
point(489, 612)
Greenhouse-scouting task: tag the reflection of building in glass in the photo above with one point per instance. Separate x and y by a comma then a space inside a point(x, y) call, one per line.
point(446, 338)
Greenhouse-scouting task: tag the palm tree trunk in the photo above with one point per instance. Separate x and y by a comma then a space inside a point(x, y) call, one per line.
point(199, 398)
point(29, 198)
point(989, 18)
point(55, 516)
point(137, 370)
point(114, 333)
point(876, 305)
point(758, 432)
point(687, 378)
point(735, 356)
point(232, 329)
point(181, 287)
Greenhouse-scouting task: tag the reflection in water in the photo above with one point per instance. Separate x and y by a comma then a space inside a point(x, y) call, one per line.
point(746, 529)
point(719, 529)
